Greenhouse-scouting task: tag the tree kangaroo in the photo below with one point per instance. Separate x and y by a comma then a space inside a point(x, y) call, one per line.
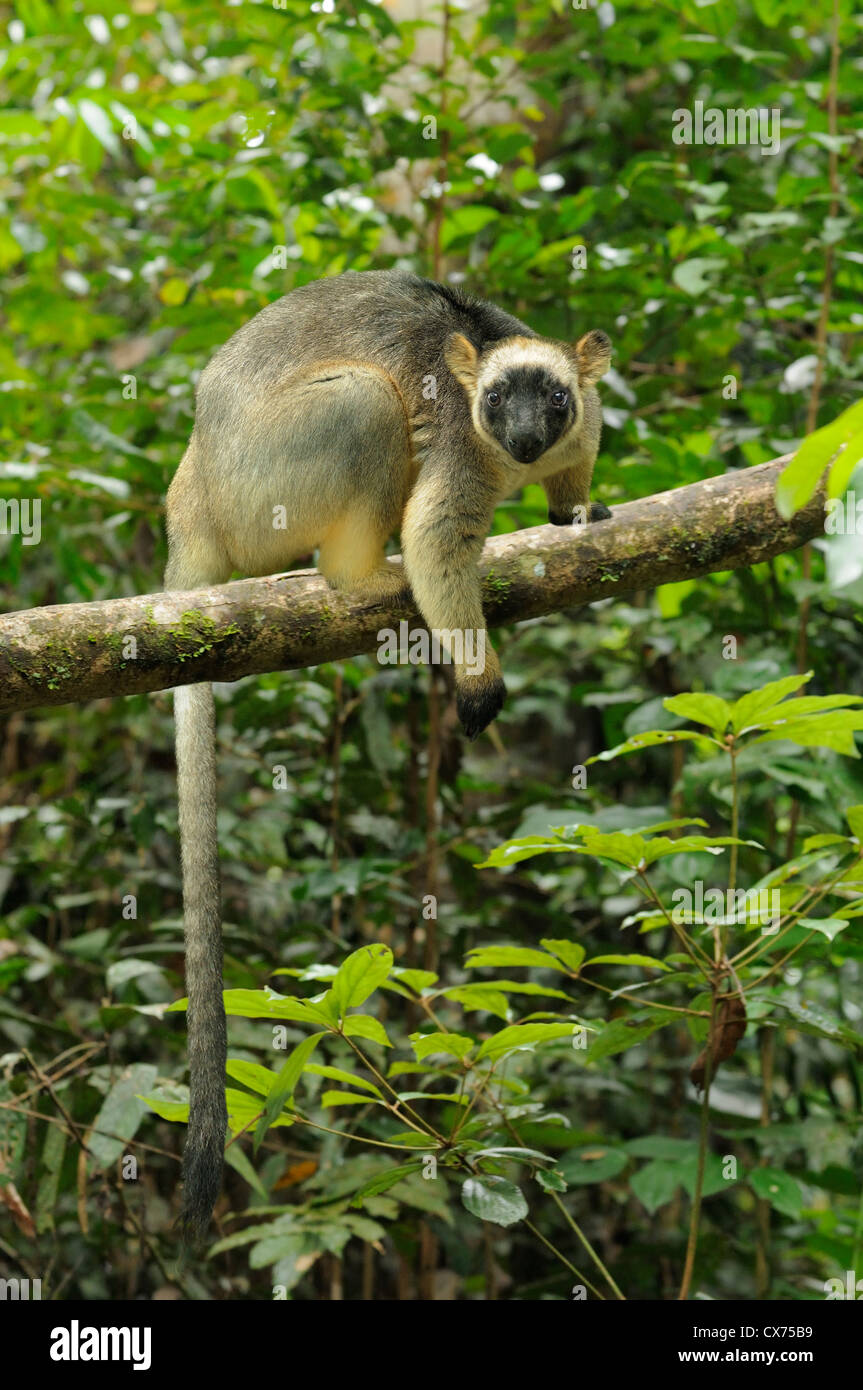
point(353, 407)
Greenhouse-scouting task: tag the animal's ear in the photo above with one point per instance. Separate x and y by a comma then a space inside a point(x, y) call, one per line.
point(593, 356)
point(462, 357)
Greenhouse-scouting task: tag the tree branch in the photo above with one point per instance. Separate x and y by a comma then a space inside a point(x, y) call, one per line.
point(84, 651)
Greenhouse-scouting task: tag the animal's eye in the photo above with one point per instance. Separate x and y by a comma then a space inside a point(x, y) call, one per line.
point(493, 399)
point(560, 399)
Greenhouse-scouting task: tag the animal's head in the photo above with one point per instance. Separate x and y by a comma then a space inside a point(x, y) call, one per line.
point(525, 394)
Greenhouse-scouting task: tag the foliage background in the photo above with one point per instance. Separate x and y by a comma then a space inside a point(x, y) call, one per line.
point(154, 155)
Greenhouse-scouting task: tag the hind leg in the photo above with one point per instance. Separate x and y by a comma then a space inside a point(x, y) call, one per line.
point(196, 554)
point(351, 558)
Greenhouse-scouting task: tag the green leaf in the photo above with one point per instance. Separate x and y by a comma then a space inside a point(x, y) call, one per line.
point(337, 1074)
point(617, 846)
point(331, 1098)
point(451, 1097)
point(745, 712)
point(523, 1035)
point(623, 1033)
point(834, 731)
point(163, 1105)
point(655, 1184)
point(383, 1181)
point(511, 1151)
point(799, 479)
point(239, 1160)
point(811, 1018)
point(245, 1110)
point(551, 1180)
point(854, 817)
point(494, 1199)
point(570, 952)
point(701, 709)
point(714, 1179)
point(417, 980)
point(364, 1026)
point(650, 739)
point(661, 848)
point(827, 926)
point(593, 1163)
point(824, 842)
point(285, 1083)
point(260, 1003)
point(779, 1189)
point(465, 222)
point(360, 975)
point(363, 1228)
point(510, 955)
point(479, 997)
point(804, 705)
point(99, 124)
point(637, 851)
point(174, 291)
point(429, 1044)
point(526, 987)
point(649, 961)
point(692, 275)
point(662, 1146)
point(120, 1114)
point(258, 1079)
point(844, 466)
point(514, 851)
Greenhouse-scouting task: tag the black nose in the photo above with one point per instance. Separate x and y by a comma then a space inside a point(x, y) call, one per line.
point(524, 447)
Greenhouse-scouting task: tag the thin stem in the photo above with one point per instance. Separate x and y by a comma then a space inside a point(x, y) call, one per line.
point(345, 1134)
point(695, 1215)
point(514, 1134)
point(648, 1003)
point(762, 1206)
point(735, 819)
point(587, 1245)
point(689, 947)
point(407, 1115)
point(554, 1250)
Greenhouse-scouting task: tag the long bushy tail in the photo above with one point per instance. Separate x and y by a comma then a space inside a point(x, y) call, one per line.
point(194, 715)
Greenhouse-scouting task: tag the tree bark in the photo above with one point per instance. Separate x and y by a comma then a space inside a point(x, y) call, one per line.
point(84, 651)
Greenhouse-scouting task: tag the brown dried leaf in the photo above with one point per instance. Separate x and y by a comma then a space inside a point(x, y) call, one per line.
point(729, 1025)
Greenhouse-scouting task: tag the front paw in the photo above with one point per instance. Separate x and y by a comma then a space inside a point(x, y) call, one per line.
point(580, 515)
point(479, 700)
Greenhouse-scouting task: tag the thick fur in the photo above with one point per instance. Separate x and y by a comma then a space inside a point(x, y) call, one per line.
point(354, 406)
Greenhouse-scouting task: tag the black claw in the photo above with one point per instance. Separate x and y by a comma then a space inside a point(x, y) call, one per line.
point(595, 512)
point(478, 704)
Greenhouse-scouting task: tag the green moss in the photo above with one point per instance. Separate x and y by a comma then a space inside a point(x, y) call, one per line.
point(196, 635)
point(496, 585)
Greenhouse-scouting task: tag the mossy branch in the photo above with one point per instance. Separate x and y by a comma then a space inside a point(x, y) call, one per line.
point(85, 651)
